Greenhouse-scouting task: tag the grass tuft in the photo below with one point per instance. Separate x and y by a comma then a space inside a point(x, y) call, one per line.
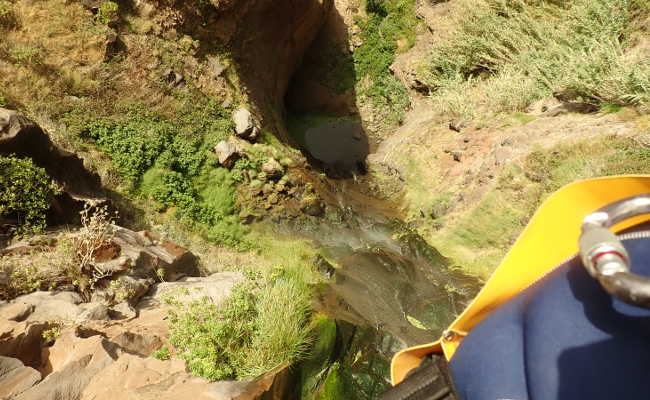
point(507, 54)
point(261, 326)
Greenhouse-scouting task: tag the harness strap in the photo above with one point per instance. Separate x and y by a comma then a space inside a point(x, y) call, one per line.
point(429, 381)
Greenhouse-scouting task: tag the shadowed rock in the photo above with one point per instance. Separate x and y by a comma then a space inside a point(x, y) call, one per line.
point(341, 146)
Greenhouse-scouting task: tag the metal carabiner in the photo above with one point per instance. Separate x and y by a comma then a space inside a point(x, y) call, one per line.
point(605, 257)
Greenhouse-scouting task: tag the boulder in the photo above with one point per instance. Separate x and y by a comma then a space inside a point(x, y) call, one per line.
point(173, 78)
point(458, 125)
point(15, 377)
point(122, 310)
point(115, 266)
point(93, 312)
point(227, 153)
point(217, 287)
point(135, 343)
point(70, 365)
point(142, 335)
point(272, 168)
point(136, 378)
point(311, 205)
point(216, 66)
point(18, 311)
point(48, 306)
point(567, 108)
point(244, 125)
point(150, 255)
point(22, 340)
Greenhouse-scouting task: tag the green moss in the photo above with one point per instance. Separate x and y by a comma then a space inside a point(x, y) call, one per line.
point(320, 356)
point(337, 385)
point(609, 108)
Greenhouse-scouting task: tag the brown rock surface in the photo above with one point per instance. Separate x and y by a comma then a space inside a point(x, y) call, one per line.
point(269, 39)
point(149, 253)
point(22, 340)
point(22, 137)
point(15, 378)
point(217, 287)
point(70, 365)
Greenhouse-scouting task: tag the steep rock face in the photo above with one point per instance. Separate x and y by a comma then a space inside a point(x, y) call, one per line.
point(15, 378)
point(269, 39)
point(22, 137)
point(325, 80)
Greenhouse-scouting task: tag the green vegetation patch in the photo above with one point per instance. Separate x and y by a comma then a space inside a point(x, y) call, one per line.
point(321, 356)
point(388, 29)
point(480, 239)
point(507, 54)
point(262, 325)
point(107, 12)
point(26, 192)
point(170, 161)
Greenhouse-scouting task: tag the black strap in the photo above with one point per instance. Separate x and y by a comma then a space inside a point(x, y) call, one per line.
point(429, 381)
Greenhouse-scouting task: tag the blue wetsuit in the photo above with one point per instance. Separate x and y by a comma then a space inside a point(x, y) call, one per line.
point(563, 338)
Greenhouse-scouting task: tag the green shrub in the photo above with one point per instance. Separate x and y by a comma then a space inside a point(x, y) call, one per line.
point(25, 192)
point(107, 12)
point(259, 327)
point(507, 54)
point(170, 161)
point(134, 144)
point(389, 28)
point(162, 353)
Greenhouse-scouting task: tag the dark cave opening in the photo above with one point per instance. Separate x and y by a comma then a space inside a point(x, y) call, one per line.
point(321, 115)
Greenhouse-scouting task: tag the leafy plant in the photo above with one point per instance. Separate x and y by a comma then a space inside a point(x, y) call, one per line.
point(162, 353)
point(51, 334)
point(26, 192)
point(107, 12)
point(25, 279)
point(171, 162)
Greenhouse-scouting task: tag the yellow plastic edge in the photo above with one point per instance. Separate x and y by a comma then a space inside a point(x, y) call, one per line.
point(550, 237)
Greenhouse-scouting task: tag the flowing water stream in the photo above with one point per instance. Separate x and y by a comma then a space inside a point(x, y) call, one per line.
point(383, 279)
